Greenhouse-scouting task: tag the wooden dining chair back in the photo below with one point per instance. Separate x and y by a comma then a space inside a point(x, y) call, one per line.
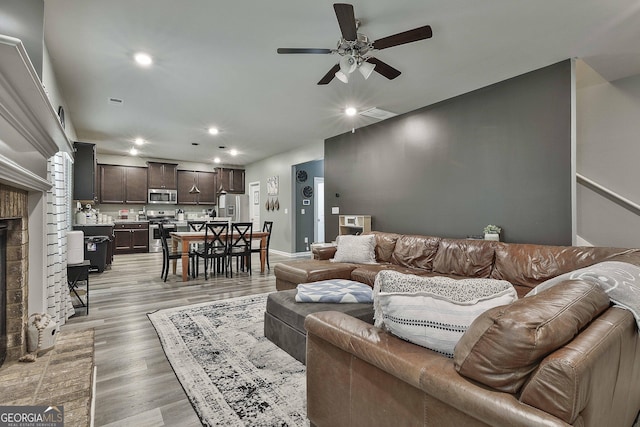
point(168, 253)
point(240, 244)
point(196, 225)
point(216, 236)
point(195, 247)
point(267, 226)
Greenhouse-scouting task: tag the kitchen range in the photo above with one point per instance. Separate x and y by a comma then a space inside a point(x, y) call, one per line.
point(167, 218)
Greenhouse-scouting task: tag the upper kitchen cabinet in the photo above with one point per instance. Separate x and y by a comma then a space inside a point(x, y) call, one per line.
point(231, 180)
point(204, 181)
point(123, 184)
point(84, 172)
point(162, 175)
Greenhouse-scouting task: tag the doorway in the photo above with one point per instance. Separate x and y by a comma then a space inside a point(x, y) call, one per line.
point(318, 192)
point(254, 204)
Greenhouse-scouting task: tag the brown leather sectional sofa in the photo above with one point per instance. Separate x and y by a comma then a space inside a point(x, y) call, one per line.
point(359, 375)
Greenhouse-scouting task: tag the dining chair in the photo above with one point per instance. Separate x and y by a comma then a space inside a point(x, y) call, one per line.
point(195, 247)
point(240, 244)
point(167, 252)
point(266, 226)
point(216, 235)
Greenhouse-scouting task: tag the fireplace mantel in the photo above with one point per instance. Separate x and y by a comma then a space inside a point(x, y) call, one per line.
point(30, 132)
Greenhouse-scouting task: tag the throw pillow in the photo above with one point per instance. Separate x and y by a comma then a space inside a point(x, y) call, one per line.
point(356, 249)
point(339, 291)
point(620, 280)
point(434, 312)
point(505, 344)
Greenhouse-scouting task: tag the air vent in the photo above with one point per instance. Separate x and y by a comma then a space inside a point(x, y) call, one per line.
point(377, 113)
point(116, 101)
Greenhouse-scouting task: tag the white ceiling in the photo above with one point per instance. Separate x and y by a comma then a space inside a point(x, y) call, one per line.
point(215, 64)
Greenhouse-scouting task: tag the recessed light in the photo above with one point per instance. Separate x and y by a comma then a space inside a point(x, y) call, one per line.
point(133, 151)
point(143, 59)
point(138, 141)
point(233, 152)
point(350, 111)
point(213, 131)
point(216, 160)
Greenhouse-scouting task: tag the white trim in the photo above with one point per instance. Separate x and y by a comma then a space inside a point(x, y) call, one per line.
point(574, 133)
point(15, 175)
point(24, 103)
point(581, 242)
point(289, 254)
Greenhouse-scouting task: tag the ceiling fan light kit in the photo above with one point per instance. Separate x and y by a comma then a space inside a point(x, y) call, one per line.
point(354, 48)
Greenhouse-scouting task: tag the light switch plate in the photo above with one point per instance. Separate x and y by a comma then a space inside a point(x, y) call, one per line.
point(335, 210)
point(302, 211)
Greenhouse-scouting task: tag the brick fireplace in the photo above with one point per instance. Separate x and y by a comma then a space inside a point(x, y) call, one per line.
point(14, 215)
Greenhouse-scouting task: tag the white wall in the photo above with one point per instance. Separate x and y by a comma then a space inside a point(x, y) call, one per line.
point(608, 129)
point(55, 96)
point(283, 237)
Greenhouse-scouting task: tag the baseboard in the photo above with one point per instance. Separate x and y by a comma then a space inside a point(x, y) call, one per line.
point(291, 255)
point(581, 242)
point(92, 412)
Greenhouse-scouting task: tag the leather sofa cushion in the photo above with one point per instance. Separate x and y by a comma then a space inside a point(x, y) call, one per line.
point(305, 271)
point(415, 251)
point(385, 245)
point(464, 257)
point(597, 369)
point(529, 265)
point(505, 344)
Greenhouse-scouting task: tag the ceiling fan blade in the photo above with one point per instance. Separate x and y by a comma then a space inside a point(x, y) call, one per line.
point(405, 37)
point(302, 50)
point(346, 20)
point(383, 68)
point(330, 75)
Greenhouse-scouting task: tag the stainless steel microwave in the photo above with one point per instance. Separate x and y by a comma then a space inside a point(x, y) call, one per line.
point(163, 196)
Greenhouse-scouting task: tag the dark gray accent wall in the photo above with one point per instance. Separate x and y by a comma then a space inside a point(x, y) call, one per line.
point(24, 20)
point(305, 223)
point(498, 155)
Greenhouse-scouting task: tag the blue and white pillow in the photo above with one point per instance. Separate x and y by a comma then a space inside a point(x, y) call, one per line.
point(340, 291)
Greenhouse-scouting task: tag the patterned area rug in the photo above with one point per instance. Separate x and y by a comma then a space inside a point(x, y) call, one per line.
point(231, 373)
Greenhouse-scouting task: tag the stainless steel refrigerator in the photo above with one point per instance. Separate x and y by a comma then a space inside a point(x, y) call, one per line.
point(234, 206)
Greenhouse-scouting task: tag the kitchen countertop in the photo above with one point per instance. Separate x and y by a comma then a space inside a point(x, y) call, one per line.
point(101, 224)
point(131, 221)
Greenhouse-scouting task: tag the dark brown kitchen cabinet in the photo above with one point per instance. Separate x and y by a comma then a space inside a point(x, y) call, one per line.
point(231, 180)
point(84, 172)
point(131, 237)
point(206, 183)
point(162, 175)
point(123, 184)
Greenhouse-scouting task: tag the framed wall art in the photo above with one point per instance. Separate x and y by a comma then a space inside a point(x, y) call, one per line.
point(272, 186)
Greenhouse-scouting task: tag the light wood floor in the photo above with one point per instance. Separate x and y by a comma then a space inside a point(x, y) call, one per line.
point(135, 383)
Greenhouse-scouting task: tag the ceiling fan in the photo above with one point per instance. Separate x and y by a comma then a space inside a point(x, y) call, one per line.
point(354, 48)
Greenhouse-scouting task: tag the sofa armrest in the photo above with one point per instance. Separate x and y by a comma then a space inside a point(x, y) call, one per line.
point(324, 252)
point(421, 368)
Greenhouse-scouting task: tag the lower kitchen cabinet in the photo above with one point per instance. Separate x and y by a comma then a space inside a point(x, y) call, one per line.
point(131, 237)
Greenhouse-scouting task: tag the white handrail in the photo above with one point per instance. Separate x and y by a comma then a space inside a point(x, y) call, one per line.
point(605, 192)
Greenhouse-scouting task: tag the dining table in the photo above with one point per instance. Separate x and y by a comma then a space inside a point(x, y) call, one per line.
point(186, 238)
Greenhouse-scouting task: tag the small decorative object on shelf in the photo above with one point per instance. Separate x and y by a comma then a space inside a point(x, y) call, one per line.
point(492, 232)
